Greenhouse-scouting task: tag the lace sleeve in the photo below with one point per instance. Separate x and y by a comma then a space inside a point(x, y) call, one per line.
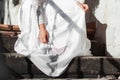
point(39, 5)
point(41, 15)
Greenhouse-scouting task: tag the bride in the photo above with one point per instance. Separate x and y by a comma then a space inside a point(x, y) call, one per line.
point(52, 33)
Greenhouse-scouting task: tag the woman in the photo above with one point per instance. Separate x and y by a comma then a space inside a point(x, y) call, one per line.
point(52, 33)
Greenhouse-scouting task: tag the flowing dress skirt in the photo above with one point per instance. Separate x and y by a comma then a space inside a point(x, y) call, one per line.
point(65, 22)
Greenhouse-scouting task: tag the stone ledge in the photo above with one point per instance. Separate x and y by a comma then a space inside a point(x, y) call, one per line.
point(79, 67)
point(65, 79)
point(6, 27)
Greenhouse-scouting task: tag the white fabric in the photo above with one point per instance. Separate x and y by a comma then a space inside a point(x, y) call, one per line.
point(81, 1)
point(108, 13)
point(65, 23)
point(11, 11)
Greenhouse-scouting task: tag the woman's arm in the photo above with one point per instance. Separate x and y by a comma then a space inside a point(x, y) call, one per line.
point(43, 34)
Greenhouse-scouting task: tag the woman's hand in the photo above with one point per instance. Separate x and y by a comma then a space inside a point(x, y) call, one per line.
point(83, 6)
point(43, 34)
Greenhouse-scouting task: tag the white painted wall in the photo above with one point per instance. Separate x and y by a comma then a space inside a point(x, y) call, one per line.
point(108, 12)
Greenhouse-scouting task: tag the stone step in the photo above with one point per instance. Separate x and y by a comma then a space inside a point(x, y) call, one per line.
point(5, 27)
point(67, 79)
point(18, 66)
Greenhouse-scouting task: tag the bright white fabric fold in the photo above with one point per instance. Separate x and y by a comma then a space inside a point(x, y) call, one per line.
point(65, 23)
point(81, 1)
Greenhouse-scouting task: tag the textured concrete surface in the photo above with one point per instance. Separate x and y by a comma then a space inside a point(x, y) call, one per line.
point(18, 66)
point(64, 79)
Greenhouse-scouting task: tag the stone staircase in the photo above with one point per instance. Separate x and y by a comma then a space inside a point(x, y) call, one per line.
point(14, 66)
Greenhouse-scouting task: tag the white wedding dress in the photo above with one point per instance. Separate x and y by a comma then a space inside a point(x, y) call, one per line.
point(65, 22)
